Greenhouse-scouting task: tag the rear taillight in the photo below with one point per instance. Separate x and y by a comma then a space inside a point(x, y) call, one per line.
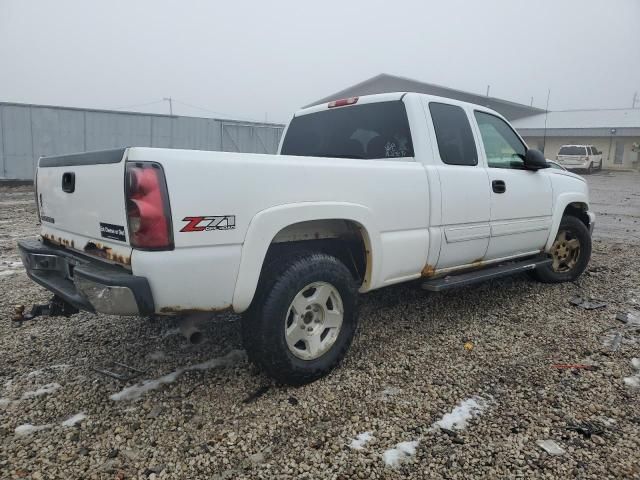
point(148, 212)
point(343, 102)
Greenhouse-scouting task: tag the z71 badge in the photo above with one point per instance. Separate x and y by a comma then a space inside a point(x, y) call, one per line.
point(201, 224)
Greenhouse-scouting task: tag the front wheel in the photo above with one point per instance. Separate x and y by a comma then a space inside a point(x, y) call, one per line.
point(303, 318)
point(570, 253)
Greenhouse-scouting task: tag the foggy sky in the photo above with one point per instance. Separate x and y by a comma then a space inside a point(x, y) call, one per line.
point(260, 59)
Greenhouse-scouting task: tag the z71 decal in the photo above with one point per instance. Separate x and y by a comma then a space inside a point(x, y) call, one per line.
point(201, 224)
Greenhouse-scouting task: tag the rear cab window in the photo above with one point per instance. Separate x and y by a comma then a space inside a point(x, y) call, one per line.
point(572, 150)
point(368, 131)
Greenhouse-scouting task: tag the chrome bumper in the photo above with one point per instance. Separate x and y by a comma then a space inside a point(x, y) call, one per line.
point(85, 283)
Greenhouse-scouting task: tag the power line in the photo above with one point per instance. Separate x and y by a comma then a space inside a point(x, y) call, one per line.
point(138, 105)
point(227, 115)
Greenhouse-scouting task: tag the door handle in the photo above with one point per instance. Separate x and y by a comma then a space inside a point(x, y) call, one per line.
point(68, 182)
point(499, 186)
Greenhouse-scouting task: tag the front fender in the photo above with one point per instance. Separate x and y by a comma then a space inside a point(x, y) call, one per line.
point(563, 200)
point(265, 225)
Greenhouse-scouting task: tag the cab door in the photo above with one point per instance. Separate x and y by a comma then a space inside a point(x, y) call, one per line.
point(464, 187)
point(521, 200)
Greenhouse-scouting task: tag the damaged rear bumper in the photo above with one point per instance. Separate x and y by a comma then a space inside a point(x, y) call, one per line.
point(86, 283)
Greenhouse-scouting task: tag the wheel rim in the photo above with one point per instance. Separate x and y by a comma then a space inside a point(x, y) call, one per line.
point(565, 252)
point(314, 320)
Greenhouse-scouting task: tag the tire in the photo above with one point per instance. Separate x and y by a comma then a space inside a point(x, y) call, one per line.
point(600, 166)
point(590, 169)
point(574, 264)
point(270, 325)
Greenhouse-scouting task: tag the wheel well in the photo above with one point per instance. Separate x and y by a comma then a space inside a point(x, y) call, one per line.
point(578, 210)
point(344, 239)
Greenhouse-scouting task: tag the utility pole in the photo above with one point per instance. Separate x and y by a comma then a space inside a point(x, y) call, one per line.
point(531, 104)
point(488, 88)
point(546, 113)
point(168, 99)
point(635, 99)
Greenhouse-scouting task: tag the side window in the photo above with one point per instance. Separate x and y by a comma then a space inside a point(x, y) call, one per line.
point(590, 151)
point(453, 133)
point(501, 144)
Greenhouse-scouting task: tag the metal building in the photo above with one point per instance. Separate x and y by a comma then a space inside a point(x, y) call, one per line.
point(28, 132)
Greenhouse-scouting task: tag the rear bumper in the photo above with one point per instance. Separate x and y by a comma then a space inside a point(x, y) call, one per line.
point(85, 283)
point(576, 166)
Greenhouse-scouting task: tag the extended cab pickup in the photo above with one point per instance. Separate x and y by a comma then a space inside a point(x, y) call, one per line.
point(365, 192)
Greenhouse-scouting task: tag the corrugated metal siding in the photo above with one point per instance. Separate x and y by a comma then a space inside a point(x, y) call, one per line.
point(28, 132)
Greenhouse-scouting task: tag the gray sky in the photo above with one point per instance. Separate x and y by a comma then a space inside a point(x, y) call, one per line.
point(250, 59)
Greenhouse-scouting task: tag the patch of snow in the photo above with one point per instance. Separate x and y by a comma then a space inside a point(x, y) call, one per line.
point(634, 380)
point(457, 419)
point(156, 356)
point(170, 332)
point(10, 267)
point(361, 440)
point(551, 447)
point(71, 421)
point(28, 429)
point(44, 390)
point(136, 391)
point(402, 452)
point(389, 392)
point(40, 371)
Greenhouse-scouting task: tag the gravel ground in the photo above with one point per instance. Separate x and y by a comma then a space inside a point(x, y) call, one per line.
point(453, 385)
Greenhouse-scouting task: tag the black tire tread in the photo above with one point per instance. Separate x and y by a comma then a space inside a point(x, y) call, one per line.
point(276, 283)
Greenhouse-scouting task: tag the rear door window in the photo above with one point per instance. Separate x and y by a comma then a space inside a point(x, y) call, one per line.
point(572, 150)
point(370, 131)
point(453, 133)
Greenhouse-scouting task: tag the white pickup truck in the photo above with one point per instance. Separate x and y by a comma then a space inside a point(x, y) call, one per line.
point(365, 192)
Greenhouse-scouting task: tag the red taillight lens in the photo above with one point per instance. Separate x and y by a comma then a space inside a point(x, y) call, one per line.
point(148, 212)
point(343, 102)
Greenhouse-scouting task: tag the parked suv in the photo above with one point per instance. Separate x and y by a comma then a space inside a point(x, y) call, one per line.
point(580, 157)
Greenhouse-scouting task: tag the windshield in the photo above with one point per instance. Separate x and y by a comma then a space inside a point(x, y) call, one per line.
point(572, 150)
point(369, 131)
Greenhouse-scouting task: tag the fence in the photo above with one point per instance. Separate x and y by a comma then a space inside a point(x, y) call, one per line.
point(28, 132)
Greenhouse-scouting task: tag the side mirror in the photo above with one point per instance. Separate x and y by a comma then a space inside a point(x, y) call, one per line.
point(534, 160)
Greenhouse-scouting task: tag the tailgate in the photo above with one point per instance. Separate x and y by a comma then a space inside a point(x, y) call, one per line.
point(82, 205)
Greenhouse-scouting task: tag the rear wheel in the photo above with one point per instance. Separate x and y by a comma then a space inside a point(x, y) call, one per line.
point(303, 318)
point(590, 168)
point(570, 253)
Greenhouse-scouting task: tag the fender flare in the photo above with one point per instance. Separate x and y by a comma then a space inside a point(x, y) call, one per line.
point(564, 199)
point(265, 225)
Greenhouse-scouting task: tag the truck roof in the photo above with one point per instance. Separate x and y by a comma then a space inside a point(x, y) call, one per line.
point(393, 96)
